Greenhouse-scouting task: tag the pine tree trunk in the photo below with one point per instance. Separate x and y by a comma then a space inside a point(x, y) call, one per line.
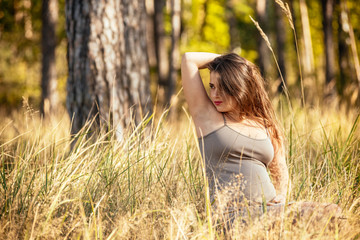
point(108, 66)
point(175, 47)
point(307, 56)
point(328, 9)
point(344, 53)
point(349, 70)
point(297, 70)
point(49, 95)
point(263, 60)
point(352, 38)
point(161, 49)
point(150, 35)
point(28, 20)
point(232, 22)
point(308, 49)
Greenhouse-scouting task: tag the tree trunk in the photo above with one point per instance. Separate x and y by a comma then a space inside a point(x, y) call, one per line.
point(307, 55)
point(352, 42)
point(18, 11)
point(150, 35)
point(280, 43)
point(161, 49)
point(175, 47)
point(108, 66)
point(28, 20)
point(22, 12)
point(344, 56)
point(297, 70)
point(308, 49)
point(205, 6)
point(328, 9)
point(49, 95)
point(263, 60)
point(232, 22)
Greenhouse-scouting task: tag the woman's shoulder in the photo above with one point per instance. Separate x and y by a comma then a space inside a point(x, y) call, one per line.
point(250, 128)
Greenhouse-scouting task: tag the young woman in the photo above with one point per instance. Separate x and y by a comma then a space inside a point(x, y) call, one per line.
point(238, 133)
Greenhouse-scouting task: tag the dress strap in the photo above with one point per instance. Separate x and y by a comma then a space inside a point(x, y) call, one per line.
point(224, 118)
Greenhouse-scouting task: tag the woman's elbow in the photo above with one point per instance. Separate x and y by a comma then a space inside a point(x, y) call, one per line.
point(184, 58)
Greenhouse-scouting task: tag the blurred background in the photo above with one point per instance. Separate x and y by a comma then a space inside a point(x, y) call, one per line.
point(326, 33)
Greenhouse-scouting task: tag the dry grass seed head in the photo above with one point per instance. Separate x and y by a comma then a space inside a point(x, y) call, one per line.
point(286, 9)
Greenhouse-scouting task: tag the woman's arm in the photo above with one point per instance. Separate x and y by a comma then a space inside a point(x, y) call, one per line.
point(194, 91)
point(280, 176)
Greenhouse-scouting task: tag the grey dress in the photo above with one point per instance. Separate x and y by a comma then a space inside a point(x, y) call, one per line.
point(230, 156)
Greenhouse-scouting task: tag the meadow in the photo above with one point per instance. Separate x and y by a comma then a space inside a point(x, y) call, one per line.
point(151, 184)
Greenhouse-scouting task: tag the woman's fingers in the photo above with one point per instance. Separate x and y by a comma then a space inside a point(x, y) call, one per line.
point(276, 200)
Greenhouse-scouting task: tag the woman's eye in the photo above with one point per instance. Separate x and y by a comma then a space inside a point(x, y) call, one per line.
point(212, 86)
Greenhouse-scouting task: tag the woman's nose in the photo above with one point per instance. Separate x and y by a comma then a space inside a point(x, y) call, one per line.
point(214, 92)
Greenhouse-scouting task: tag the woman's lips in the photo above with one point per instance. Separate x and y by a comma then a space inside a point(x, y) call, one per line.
point(217, 103)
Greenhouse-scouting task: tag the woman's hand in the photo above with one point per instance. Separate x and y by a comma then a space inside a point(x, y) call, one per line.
point(278, 199)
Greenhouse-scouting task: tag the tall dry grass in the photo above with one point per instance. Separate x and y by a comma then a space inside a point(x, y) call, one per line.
point(150, 186)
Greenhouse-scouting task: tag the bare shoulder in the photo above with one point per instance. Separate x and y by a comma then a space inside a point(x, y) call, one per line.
point(249, 128)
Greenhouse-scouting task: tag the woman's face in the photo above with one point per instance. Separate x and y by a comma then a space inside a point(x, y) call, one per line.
point(222, 101)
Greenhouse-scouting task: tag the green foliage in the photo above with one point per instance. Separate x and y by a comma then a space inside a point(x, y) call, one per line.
point(17, 78)
point(20, 56)
point(247, 31)
point(216, 30)
point(317, 36)
point(209, 30)
point(205, 27)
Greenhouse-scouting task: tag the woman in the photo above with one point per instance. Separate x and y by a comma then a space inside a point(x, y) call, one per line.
point(238, 133)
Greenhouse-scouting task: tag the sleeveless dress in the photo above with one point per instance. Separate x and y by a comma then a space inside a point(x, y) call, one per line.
point(230, 156)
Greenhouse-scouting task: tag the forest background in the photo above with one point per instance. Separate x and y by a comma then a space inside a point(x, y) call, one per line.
point(150, 185)
point(212, 25)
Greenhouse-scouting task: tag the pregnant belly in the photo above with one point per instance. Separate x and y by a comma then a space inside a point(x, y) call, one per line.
point(251, 178)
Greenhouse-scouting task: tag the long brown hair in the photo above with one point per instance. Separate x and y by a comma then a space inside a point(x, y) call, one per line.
point(241, 79)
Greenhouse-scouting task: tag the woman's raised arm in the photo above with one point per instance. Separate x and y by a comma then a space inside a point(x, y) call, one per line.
point(194, 91)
